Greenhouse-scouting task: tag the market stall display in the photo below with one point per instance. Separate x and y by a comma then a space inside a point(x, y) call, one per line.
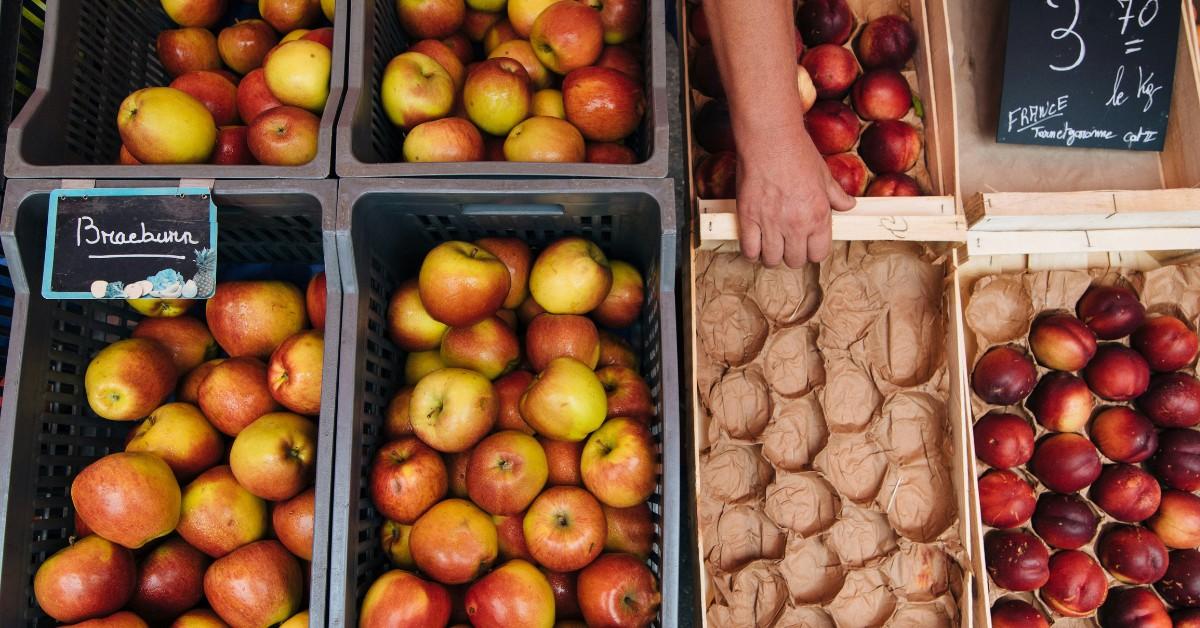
point(394, 231)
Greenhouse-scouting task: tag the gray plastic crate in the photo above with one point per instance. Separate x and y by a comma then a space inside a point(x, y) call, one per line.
point(47, 431)
point(97, 52)
point(385, 227)
point(369, 145)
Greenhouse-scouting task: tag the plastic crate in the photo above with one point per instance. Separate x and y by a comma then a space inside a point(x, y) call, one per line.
point(369, 145)
point(94, 54)
point(47, 431)
point(384, 230)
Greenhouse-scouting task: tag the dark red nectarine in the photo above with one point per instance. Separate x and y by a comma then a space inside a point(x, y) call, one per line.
point(1177, 461)
point(714, 130)
point(1061, 402)
point(1013, 613)
point(1132, 554)
point(1117, 373)
point(716, 176)
point(890, 146)
point(1061, 342)
point(1133, 607)
point(1003, 376)
point(825, 22)
point(1016, 560)
point(1065, 521)
point(1172, 400)
point(886, 42)
point(1126, 493)
point(894, 185)
point(1076, 585)
point(1124, 435)
point(1166, 342)
point(1003, 440)
point(832, 126)
point(1111, 311)
point(1005, 500)
point(1180, 587)
point(1065, 462)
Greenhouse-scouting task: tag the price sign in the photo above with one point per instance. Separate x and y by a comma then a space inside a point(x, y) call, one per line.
point(1089, 73)
point(158, 243)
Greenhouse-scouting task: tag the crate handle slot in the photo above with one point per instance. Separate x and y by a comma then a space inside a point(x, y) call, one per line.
point(521, 209)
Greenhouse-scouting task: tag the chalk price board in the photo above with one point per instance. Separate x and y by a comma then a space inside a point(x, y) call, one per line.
point(1089, 73)
point(158, 243)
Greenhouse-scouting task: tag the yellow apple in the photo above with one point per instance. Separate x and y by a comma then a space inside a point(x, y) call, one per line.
point(522, 14)
point(445, 140)
point(571, 276)
point(549, 103)
point(294, 35)
point(219, 515)
point(415, 89)
point(497, 95)
point(163, 125)
point(297, 74)
point(418, 364)
point(275, 456)
point(409, 325)
point(180, 435)
point(515, 594)
point(521, 51)
point(546, 140)
point(565, 402)
point(128, 379)
point(160, 308)
point(327, 7)
point(567, 36)
point(618, 463)
point(452, 409)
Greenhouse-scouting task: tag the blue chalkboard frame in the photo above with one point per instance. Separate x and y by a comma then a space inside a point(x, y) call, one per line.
point(52, 223)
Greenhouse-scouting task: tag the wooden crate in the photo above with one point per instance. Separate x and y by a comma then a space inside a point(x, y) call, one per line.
point(1005, 186)
point(926, 218)
point(967, 272)
point(971, 604)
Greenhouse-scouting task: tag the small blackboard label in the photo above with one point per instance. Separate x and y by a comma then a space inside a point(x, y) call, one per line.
point(1089, 73)
point(128, 243)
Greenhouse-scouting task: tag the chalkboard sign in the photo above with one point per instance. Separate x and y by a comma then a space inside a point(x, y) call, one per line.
point(1089, 73)
point(158, 243)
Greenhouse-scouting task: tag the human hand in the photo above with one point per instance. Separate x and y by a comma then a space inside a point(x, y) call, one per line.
point(784, 197)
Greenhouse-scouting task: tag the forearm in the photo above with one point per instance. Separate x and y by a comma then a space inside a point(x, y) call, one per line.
point(759, 79)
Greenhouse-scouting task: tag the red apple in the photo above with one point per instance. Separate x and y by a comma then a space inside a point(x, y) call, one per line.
point(1062, 342)
point(849, 171)
point(185, 338)
point(716, 176)
point(90, 578)
point(832, 126)
point(890, 146)
point(252, 318)
point(1134, 607)
point(894, 185)
point(567, 35)
point(128, 498)
point(630, 530)
point(1005, 500)
point(1180, 587)
point(510, 534)
point(1111, 311)
point(563, 458)
point(284, 136)
point(314, 300)
point(214, 91)
point(462, 284)
point(517, 257)
point(565, 528)
point(189, 386)
point(286, 16)
point(832, 68)
point(1177, 461)
point(621, 59)
point(1124, 435)
point(618, 590)
point(128, 379)
point(508, 391)
point(254, 97)
point(398, 598)
point(476, 23)
point(454, 542)
point(122, 619)
point(456, 472)
point(407, 478)
point(515, 594)
point(609, 153)
point(1118, 373)
point(1014, 613)
point(245, 44)
point(489, 347)
point(1172, 400)
point(622, 19)
point(1166, 342)
point(1003, 440)
point(1077, 586)
point(323, 36)
point(882, 95)
point(424, 19)
point(1065, 521)
point(1177, 521)
point(627, 393)
point(260, 584)
point(445, 57)
point(825, 22)
point(886, 42)
point(294, 372)
point(235, 393)
point(605, 105)
point(1132, 554)
point(183, 50)
point(292, 521)
point(551, 336)
point(233, 148)
point(506, 472)
point(170, 581)
point(619, 463)
point(275, 456)
point(1061, 402)
point(1065, 462)
point(202, 13)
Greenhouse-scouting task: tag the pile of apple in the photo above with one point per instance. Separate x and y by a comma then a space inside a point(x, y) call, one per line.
point(515, 476)
point(828, 75)
point(182, 518)
point(1137, 456)
point(244, 95)
point(557, 80)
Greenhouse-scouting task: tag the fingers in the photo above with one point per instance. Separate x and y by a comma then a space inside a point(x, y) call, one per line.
point(838, 199)
point(749, 234)
point(772, 247)
point(820, 244)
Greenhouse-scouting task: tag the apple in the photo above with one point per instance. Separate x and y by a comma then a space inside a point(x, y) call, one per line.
point(509, 389)
point(489, 347)
point(456, 470)
point(170, 580)
point(297, 73)
point(497, 34)
point(185, 338)
point(426, 19)
point(219, 516)
point(516, 256)
point(498, 95)
point(565, 402)
point(618, 463)
point(294, 372)
point(252, 318)
point(235, 393)
point(623, 305)
point(627, 394)
point(214, 91)
point(199, 618)
point(254, 97)
point(567, 35)
point(245, 44)
point(615, 351)
point(566, 598)
point(522, 52)
point(630, 530)
point(563, 458)
point(409, 325)
point(515, 594)
point(185, 49)
point(551, 336)
point(832, 68)
point(122, 619)
point(609, 153)
point(445, 140)
point(548, 103)
point(421, 363)
point(523, 13)
point(292, 521)
point(161, 125)
point(452, 409)
point(233, 147)
point(849, 171)
point(882, 95)
point(275, 456)
point(445, 57)
point(529, 310)
point(886, 42)
point(289, 15)
point(202, 13)
point(454, 542)
point(399, 598)
point(327, 7)
point(323, 36)
point(510, 536)
point(476, 23)
point(894, 185)
point(397, 422)
point(293, 35)
point(833, 127)
point(462, 284)
point(570, 276)
point(180, 435)
point(160, 308)
point(825, 22)
point(260, 584)
point(416, 88)
point(604, 104)
point(564, 528)
point(506, 472)
point(406, 478)
point(189, 386)
point(890, 147)
point(129, 378)
point(91, 577)
point(394, 538)
point(542, 139)
point(128, 498)
point(618, 590)
point(621, 59)
point(622, 19)
point(126, 158)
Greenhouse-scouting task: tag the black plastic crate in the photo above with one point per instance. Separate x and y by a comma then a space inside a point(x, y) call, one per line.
point(369, 145)
point(94, 54)
point(385, 227)
point(47, 431)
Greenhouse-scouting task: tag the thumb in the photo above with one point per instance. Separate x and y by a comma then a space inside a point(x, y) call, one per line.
point(838, 199)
